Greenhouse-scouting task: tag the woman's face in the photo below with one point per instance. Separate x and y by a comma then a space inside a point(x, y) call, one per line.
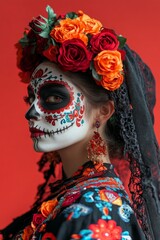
point(57, 117)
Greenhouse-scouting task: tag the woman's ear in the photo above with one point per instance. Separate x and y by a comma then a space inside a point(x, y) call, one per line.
point(106, 111)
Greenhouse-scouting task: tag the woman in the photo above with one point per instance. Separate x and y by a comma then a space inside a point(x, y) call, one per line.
point(91, 101)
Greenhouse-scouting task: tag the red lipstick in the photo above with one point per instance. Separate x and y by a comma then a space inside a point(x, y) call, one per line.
point(36, 132)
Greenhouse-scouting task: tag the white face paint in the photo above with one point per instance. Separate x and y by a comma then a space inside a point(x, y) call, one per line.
point(56, 115)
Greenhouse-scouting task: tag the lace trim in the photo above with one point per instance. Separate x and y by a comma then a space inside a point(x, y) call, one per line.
point(124, 118)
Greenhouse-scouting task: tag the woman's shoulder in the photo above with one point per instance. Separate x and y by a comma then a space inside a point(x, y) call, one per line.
point(97, 208)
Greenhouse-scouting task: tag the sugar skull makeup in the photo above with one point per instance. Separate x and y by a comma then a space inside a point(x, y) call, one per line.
point(56, 115)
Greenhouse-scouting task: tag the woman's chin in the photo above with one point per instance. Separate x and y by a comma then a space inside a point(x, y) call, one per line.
point(41, 148)
point(44, 146)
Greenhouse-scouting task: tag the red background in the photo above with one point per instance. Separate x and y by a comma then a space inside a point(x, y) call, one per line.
point(138, 20)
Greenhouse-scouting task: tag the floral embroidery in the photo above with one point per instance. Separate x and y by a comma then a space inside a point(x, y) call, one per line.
point(77, 210)
point(110, 196)
point(125, 212)
point(89, 196)
point(103, 230)
point(84, 234)
point(70, 199)
point(48, 236)
point(97, 201)
point(47, 207)
point(27, 233)
point(106, 230)
point(38, 218)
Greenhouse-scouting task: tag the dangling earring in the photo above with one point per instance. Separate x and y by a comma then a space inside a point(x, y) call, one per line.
point(96, 147)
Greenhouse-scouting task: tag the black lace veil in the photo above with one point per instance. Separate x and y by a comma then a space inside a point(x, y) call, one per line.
point(134, 103)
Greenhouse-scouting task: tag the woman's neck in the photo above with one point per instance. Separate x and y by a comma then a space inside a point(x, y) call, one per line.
point(75, 156)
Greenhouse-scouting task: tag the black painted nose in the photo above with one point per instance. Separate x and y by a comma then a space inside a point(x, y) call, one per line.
point(32, 114)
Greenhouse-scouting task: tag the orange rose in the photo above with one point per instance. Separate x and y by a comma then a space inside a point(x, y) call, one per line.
point(47, 207)
point(112, 83)
point(27, 233)
point(92, 25)
point(69, 29)
point(109, 64)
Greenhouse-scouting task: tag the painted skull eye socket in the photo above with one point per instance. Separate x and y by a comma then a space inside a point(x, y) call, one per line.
point(54, 99)
point(53, 96)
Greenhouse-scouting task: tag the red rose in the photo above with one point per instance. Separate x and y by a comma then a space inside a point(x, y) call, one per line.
point(105, 40)
point(38, 218)
point(31, 35)
point(29, 59)
point(25, 76)
point(41, 44)
point(38, 24)
point(51, 53)
point(74, 56)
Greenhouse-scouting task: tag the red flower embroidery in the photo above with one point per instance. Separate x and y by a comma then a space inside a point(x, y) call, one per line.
point(38, 218)
point(48, 236)
point(106, 230)
point(76, 236)
point(71, 199)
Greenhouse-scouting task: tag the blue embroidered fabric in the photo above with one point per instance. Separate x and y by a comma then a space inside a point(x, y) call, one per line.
point(90, 205)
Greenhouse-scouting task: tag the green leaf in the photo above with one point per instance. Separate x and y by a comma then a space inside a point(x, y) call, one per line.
point(71, 15)
point(122, 41)
point(44, 34)
point(51, 15)
point(43, 27)
point(57, 22)
point(53, 42)
point(24, 41)
point(95, 75)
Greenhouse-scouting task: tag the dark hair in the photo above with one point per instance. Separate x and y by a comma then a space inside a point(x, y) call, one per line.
point(96, 96)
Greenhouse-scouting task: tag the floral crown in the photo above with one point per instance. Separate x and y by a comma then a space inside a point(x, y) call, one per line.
point(75, 42)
